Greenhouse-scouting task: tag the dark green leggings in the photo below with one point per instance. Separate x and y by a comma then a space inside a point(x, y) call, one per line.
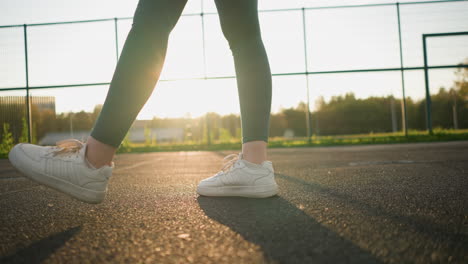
point(143, 55)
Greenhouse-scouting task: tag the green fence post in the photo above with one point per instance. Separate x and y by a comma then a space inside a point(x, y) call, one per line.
point(428, 95)
point(28, 101)
point(309, 140)
point(403, 106)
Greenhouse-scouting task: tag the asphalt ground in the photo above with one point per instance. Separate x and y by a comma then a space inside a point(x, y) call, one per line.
point(403, 203)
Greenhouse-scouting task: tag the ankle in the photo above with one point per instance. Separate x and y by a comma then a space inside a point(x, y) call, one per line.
point(254, 151)
point(99, 154)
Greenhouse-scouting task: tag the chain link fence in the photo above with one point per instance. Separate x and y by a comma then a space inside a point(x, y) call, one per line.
point(336, 70)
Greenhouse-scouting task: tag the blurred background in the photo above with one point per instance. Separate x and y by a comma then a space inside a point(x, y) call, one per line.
point(340, 68)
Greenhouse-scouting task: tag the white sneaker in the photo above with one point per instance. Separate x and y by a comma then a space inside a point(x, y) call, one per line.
point(239, 177)
point(63, 168)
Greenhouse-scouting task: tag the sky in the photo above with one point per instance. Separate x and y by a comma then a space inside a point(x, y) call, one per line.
point(336, 39)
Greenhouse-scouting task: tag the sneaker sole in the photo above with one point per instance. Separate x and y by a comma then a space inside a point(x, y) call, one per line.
point(260, 191)
point(80, 193)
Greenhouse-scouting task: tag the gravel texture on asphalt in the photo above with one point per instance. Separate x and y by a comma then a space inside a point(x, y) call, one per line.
point(404, 203)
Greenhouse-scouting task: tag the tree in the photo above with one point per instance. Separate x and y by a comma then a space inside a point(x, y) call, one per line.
point(6, 142)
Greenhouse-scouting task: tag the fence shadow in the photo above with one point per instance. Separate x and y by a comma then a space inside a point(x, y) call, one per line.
point(40, 250)
point(284, 232)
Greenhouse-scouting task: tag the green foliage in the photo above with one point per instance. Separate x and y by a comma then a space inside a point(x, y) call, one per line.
point(349, 115)
point(148, 138)
point(24, 131)
point(224, 135)
point(126, 145)
point(238, 132)
point(6, 142)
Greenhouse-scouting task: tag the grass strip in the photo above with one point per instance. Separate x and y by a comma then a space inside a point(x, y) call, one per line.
point(321, 141)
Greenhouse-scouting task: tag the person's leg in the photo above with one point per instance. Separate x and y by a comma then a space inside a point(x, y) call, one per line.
point(65, 167)
point(135, 76)
point(240, 176)
point(240, 26)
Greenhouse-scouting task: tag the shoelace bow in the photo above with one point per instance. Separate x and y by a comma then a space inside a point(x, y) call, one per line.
point(68, 147)
point(231, 160)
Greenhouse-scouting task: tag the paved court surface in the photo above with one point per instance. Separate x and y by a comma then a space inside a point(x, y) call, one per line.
point(363, 204)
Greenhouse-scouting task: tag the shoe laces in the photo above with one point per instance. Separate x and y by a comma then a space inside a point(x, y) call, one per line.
point(68, 147)
point(230, 161)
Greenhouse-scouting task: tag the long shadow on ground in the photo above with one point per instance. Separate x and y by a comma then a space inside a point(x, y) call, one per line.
point(284, 232)
point(42, 249)
point(432, 230)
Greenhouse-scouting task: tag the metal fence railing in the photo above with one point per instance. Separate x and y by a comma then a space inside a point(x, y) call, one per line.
point(460, 29)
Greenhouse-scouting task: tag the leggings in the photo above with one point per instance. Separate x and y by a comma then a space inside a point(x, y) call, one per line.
point(142, 58)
